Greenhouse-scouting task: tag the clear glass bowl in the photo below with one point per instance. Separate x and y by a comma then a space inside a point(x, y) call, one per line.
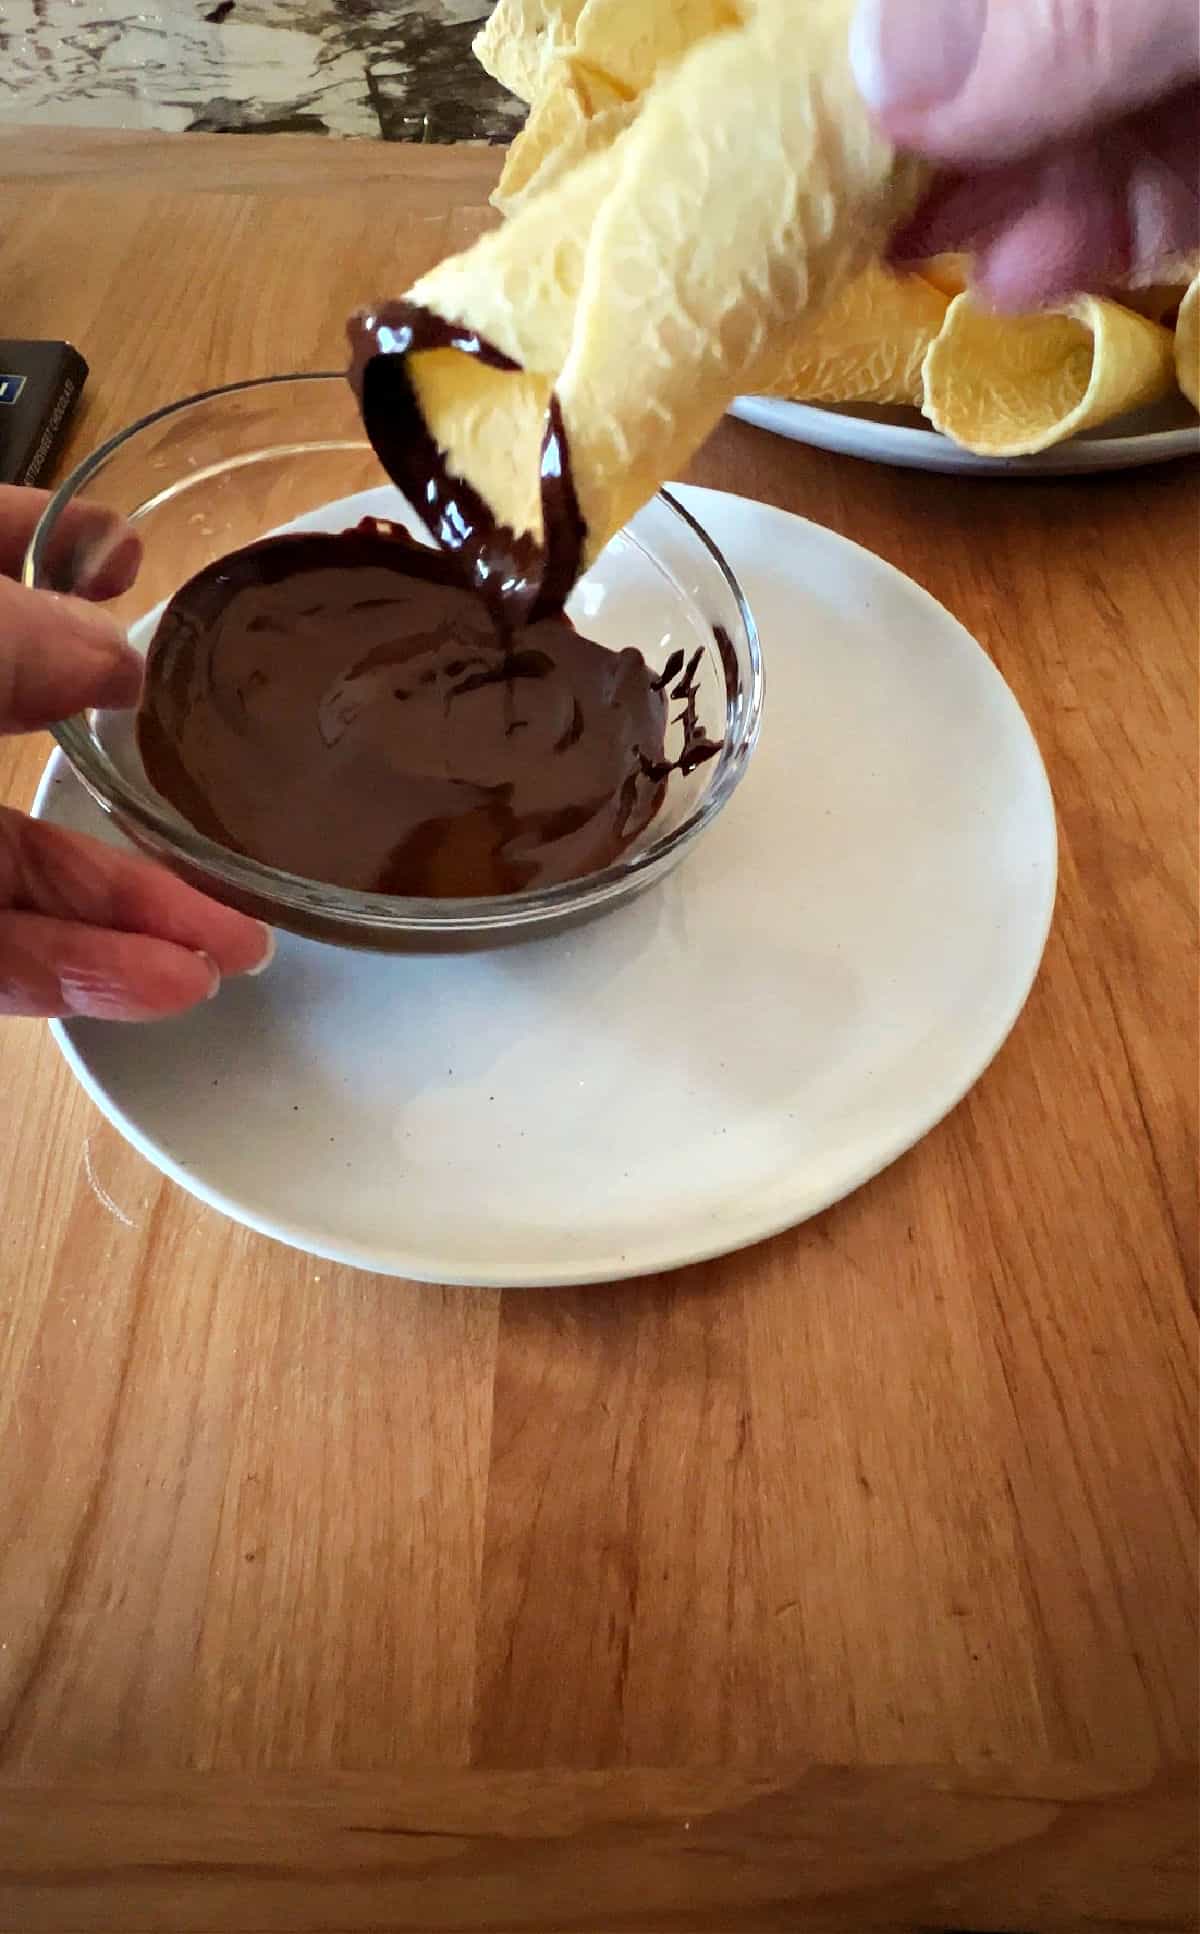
point(216, 471)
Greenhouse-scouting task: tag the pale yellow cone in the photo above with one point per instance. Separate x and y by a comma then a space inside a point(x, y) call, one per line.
point(579, 112)
point(1007, 386)
point(1187, 345)
point(868, 345)
point(635, 42)
point(520, 39)
point(660, 277)
point(949, 273)
point(607, 59)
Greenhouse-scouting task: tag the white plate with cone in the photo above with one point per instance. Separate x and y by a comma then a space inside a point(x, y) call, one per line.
point(902, 436)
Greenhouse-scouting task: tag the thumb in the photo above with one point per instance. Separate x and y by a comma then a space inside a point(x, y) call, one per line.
point(58, 654)
point(973, 82)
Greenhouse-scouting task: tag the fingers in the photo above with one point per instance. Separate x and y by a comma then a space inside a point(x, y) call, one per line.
point(1084, 216)
point(58, 654)
point(1163, 188)
point(84, 929)
point(66, 877)
point(56, 968)
point(103, 557)
point(975, 82)
point(1053, 247)
point(93, 552)
point(1037, 232)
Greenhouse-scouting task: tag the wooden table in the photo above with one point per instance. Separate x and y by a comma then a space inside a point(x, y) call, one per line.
point(847, 1583)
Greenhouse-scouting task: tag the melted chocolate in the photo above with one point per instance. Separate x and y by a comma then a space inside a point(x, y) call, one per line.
point(342, 708)
point(521, 579)
point(697, 746)
point(365, 711)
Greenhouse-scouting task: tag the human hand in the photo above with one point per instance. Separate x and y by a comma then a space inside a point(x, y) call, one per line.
point(1069, 130)
point(85, 929)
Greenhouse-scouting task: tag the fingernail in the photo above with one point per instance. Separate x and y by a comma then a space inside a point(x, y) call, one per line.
point(905, 56)
point(106, 563)
point(268, 952)
point(215, 976)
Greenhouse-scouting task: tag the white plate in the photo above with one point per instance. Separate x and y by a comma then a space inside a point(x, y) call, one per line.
point(903, 437)
point(818, 983)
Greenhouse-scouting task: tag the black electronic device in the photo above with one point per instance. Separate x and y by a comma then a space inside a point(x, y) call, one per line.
point(40, 385)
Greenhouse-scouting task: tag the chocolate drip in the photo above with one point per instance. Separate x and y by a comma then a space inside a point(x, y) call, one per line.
point(697, 746)
point(365, 711)
point(523, 580)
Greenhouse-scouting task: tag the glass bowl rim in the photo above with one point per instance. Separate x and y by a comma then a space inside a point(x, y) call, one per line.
point(296, 892)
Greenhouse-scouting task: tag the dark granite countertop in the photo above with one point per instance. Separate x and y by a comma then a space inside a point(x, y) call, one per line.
point(398, 70)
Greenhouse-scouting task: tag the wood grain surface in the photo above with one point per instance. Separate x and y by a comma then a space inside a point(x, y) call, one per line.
point(846, 1583)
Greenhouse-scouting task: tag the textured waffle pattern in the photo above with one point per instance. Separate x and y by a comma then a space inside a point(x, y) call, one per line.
point(1007, 386)
point(664, 274)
